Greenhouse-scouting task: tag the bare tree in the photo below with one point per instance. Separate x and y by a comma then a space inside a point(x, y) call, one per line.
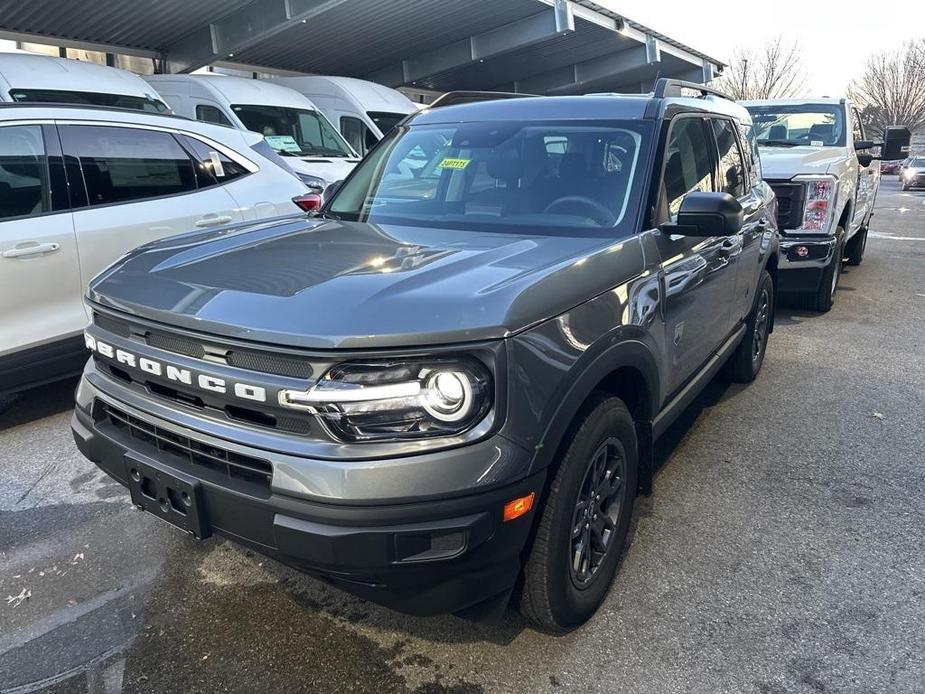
point(891, 91)
point(773, 70)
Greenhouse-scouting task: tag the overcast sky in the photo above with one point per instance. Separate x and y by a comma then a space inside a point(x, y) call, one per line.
point(836, 37)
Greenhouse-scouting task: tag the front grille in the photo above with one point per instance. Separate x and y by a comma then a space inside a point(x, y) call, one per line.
point(224, 464)
point(789, 204)
point(263, 361)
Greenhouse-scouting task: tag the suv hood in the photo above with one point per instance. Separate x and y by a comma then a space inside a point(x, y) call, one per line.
point(787, 162)
point(330, 284)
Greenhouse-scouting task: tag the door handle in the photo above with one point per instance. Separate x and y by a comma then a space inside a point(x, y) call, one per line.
point(213, 220)
point(25, 250)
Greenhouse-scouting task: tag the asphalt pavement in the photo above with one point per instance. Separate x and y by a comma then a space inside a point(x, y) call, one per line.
point(783, 549)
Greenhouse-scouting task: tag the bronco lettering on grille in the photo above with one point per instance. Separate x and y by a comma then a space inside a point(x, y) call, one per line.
point(215, 384)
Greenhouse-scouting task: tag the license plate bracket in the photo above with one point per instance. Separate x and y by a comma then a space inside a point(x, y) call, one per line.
point(168, 494)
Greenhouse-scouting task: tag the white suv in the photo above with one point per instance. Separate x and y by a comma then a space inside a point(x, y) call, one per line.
point(81, 186)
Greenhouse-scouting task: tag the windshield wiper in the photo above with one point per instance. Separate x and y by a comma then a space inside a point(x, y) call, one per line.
point(777, 143)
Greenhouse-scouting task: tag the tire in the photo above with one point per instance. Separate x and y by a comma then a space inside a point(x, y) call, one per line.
point(557, 596)
point(822, 299)
point(856, 247)
point(745, 363)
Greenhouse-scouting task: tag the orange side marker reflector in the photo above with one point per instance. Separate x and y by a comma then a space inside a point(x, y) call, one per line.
point(518, 507)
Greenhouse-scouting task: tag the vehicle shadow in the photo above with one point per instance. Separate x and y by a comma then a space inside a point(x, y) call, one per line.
point(38, 403)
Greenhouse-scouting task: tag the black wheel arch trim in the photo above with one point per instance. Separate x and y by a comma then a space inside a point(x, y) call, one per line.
point(593, 368)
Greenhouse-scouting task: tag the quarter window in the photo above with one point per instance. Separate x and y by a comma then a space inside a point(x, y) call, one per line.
point(126, 164)
point(731, 168)
point(210, 114)
point(212, 167)
point(24, 189)
point(688, 162)
point(357, 134)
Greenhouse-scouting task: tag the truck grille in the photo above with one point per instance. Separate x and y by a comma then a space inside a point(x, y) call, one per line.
point(241, 357)
point(226, 464)
point(789, 204)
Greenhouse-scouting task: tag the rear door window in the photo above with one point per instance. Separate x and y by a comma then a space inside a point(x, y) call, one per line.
point(731, 167)
point(127, 164)
point(24, 184)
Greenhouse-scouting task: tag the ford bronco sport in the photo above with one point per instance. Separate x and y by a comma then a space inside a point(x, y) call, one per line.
point(443, 389)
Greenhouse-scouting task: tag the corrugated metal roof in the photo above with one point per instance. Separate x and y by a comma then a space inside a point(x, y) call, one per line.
point(145, 24)
point(360, 37)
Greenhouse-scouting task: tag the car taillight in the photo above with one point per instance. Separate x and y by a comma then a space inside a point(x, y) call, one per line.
point(818, 208)
point(308, 202)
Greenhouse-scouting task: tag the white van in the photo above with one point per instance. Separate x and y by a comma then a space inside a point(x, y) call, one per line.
point(28, 78)
point(289, 122)
point(364, 111)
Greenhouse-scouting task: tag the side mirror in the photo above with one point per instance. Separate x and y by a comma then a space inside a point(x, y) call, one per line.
point(865, 159)
point(895, 143)
point(707, 214)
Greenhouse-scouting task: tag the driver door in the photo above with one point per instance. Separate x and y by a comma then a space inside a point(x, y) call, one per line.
point(699, 274)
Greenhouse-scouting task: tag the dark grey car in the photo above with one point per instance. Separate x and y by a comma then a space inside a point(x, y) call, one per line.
point(446, 385)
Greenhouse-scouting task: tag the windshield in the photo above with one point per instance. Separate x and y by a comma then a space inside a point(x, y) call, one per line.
point(788, 125)
point(385, 121)
point(916, 163)
point(501, 176)
point(294, 132)
point(56, 96)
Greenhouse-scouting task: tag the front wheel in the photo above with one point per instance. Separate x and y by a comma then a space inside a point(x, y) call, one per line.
point(856, 248)
point(585, 520)
point(822, 299)
point(746, 361)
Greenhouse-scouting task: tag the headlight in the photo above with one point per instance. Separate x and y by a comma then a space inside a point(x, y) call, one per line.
point(315, 184)
point(375, 401)
point(819, 202)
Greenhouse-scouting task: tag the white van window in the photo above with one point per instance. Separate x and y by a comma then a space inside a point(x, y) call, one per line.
point(385, 121)
point(210, 114)
point(357, 134)
point(24, 189)
point(127, 164)
point(60, 96)
point(293, 132)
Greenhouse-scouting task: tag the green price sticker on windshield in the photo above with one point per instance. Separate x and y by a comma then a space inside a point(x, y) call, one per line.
point(448, 163)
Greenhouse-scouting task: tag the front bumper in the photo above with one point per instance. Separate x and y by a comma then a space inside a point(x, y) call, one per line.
point(800, 273)
point(420, 556)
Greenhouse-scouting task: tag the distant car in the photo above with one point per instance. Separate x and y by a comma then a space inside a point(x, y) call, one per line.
point(890, 167)
point(125, 178)
point(913, 173)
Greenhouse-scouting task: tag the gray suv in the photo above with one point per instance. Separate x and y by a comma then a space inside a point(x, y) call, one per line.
point(444, 388)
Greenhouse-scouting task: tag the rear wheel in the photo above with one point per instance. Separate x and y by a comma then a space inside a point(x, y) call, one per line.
point(585, 521)
point(856, 247)
point(746, 361)
point(822, 299)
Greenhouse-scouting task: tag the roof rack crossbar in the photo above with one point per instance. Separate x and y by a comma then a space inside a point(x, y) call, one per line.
point(468, 97)
point(667, 86)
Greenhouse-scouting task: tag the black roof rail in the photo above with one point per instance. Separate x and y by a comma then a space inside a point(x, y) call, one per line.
point(469, 97)
point(667, 87)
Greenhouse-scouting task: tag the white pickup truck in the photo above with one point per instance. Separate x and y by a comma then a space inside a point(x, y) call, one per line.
point(817, 158)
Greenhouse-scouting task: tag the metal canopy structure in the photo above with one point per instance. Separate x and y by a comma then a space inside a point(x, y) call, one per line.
point(534, 46)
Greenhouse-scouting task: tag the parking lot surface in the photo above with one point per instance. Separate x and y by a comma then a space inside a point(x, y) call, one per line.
point(781, 551)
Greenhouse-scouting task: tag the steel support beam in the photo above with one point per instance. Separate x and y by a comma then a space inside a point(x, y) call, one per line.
point(480, 47)
point(258, 21)
point(703, 74)
point(571, 78)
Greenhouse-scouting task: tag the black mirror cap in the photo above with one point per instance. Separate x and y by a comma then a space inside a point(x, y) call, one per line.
point(865, 159)
point(331, 189)
point(708, 214)
point(895, 142)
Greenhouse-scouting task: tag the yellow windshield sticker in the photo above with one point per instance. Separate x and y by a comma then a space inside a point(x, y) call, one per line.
point(448, 163)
